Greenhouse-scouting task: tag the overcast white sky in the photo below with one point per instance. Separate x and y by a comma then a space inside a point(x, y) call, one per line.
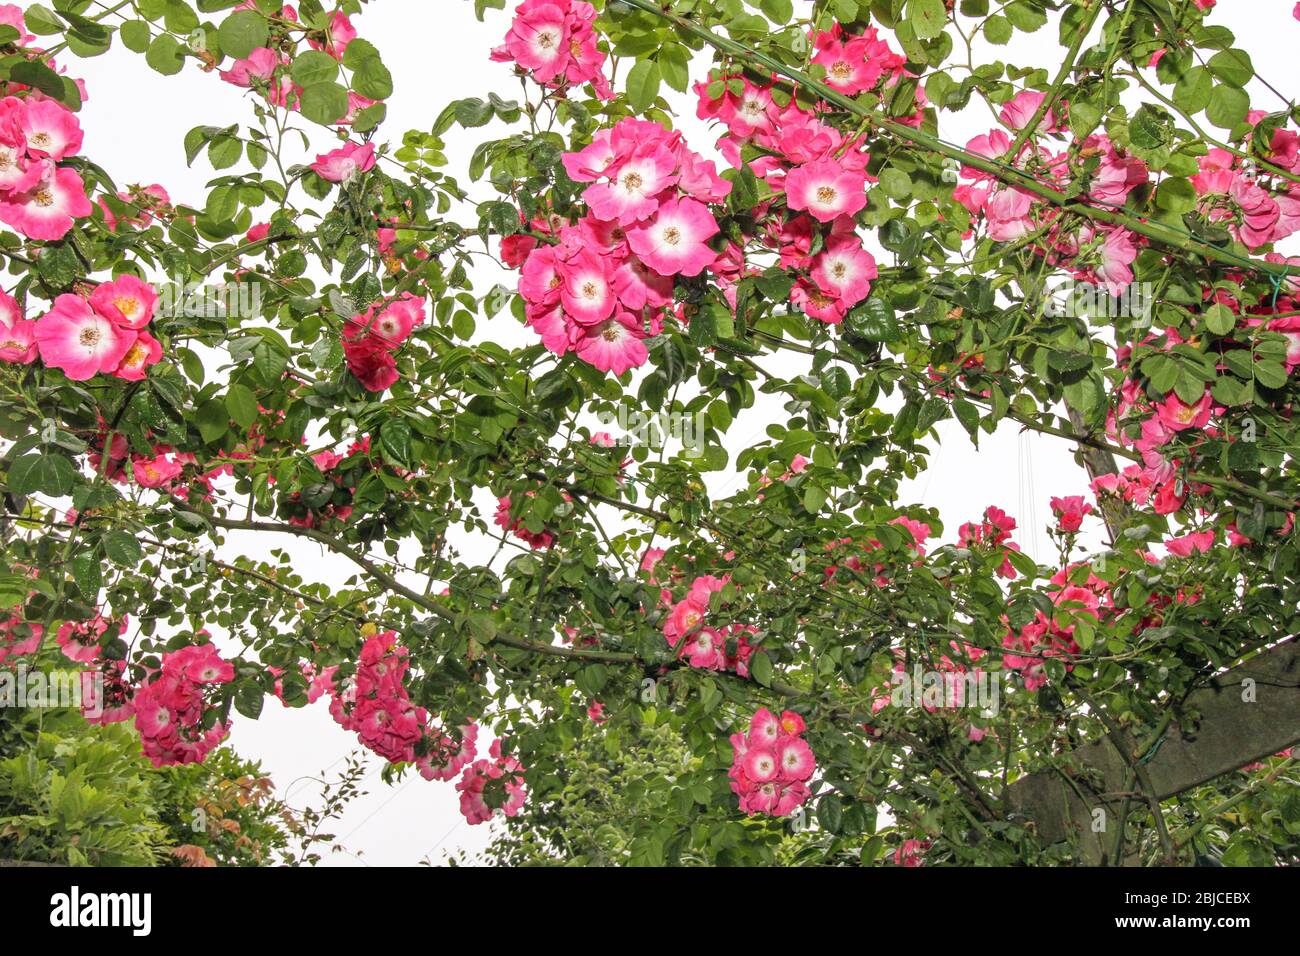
point(135, 121)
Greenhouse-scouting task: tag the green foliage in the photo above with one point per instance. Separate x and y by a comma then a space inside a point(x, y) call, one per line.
point(82, 794)
point(605, 804)
point(829, 589)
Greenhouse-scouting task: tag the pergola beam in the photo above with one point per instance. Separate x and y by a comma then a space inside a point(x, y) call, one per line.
point(1249, 712)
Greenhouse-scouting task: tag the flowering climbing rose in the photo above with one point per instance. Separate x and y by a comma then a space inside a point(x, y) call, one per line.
point(771, 764)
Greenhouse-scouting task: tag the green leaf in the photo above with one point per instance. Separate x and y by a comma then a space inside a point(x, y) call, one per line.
point(1064, 361)
point(969, 416)
point(462, 324)
point(1162, 372)
point(49, 474)
point(472, 112)
point(1176, 195)
point(998, 30)
point(135, 35)
point(1193, 89)
point(312, 67)
point(1085, 631)
point(874, 321)
point(223, 203)
point(1024, 564)
point(59, 265)
point(180, 18)
point(213, 419)
point(41, 20)
point(1189, 387)
point(902, 100)
point(927, 17)
point(1026, 16)
point(483, 627)
point(224, 151)
point(1084, 117)
point(248, 700)
point(778, 11)
point(1151, 127)
point(830, 812)
point(270, 359)
point(36, 74)
point(836, 382)
point(1228, 107)
point(896, 184)
point(324, 103)
point(1231, 391)
point(643, 85)
point(195, 140)
point(1271, 374)
point(674, 63)
point(591, 680)
point(241, 33)
point(88, 575)
point(13, 590)
point(932, 410)
point(1232, 66)
point(165, 55)
point(368, 118)
point(395, 438)
point(714, 458)
point(760, 668)
point(1219, 319)
point(242, 405)
point(123, 549)
point(371, 78)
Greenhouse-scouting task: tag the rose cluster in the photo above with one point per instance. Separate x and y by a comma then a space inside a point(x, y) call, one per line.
point(771, 764)
point(490, 784)
point(331, 499)
point(911, 853)
point(537, 540)
point(1070, 512)
point(111, 698)
point(375, 704)
point(144, 204)
point(340, 165)
point(161, 469)
point(1235, 194)
point(80, 640)
point(371, 338)
point(1101, 255)
point(1150, 425)
point(817, 176)
point(267, 71)
point(172, 708)
point(83, 337)
point(38, 197)
point(857, 63)
point(993, 534)
point(555, 42)
point(1046, 637)
point(601, 286)
point(719, 647)
point(917, 533)
point(18, 636)
point(1167, 427)
point(946, 687)
point(319, 680)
